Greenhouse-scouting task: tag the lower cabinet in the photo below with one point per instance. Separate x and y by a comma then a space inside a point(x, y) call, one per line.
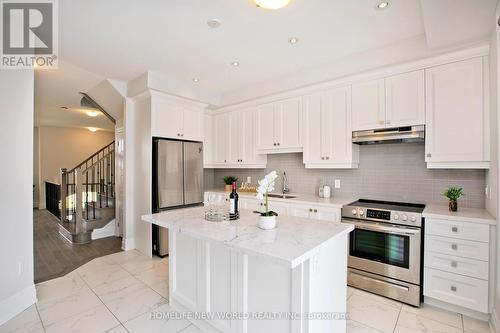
point(456, 263)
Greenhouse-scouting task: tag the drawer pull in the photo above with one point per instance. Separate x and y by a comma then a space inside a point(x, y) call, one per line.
point(453, 288)
point(310, 210)
point(454, 229)
point(454, 264)
point(454, 246)
point(315, 210)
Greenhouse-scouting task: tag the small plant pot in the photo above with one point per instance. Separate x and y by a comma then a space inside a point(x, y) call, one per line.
point(228, 188)
point(453, 205)
point(267, 222)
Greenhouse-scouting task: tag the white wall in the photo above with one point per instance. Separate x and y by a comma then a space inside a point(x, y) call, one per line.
point(17, 290)
point(138, 157)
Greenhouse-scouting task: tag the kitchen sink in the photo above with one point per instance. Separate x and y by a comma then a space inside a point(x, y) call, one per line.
point(281, 196)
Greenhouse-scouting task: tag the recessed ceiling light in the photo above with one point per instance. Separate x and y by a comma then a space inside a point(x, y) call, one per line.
point(235, 64)
point(271, 4)
point(382, 4)
point(92, 113)
point(213, 23)
point(196, 79)
point(293, 40)
point(92, 129)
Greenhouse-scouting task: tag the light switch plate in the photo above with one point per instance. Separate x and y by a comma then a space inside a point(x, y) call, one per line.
point(337, 183)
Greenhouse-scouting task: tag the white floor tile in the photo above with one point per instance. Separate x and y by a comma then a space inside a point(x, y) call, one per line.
point(373, 311)
point(154, 275)
point(95, 320)
point(27, 321)
point(428, 311)
point(145, 323)
point(350, 291)
point(56, 309)
point(105, 275)
point(140, 264)
point(412, 323)
point(57, 288)
point(191, 329)
point(115, 289)
point(123, 257)
point(161, 288)
point(472, 325)
point(117, 329)
point(378, 298)
point(355, 327)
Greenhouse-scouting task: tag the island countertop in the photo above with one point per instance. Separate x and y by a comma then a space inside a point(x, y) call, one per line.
point(293, 241)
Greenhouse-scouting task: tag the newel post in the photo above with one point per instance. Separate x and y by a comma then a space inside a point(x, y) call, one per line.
point(78, 200)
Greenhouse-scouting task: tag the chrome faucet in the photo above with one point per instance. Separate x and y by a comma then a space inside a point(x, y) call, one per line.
point(286, 189)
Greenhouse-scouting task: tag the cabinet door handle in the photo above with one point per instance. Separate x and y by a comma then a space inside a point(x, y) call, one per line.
point(388, 122)
point(454, 246)
point(429, 155)
point(315, 210)
point(322, 158)
point(275, 144)
point(454, 264)
point(381, 122)
point(310, 210)
point(453, 288)
point(278, 143)
point(328, 157)
point(454, 229)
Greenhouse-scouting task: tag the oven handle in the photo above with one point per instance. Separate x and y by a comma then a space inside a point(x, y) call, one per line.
point(392, 230)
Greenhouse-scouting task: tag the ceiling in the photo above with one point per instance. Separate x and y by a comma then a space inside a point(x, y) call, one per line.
point(120, 40)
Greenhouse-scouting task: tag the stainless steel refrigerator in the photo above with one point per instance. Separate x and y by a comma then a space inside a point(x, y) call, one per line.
point(177, 181)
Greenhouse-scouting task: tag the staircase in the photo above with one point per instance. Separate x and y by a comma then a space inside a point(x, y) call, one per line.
point(88, 196)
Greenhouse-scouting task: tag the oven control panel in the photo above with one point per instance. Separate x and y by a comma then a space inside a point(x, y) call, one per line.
point(381, 215)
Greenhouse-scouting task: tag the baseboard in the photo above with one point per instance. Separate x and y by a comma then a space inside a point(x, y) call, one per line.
point(15, 304)
point(455, 308)
point(495, 316)
point(41, 206)
point(107, 231)
point(128, 244)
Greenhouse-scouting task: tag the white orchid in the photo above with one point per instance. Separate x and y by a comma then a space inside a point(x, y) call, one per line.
point(266, 185)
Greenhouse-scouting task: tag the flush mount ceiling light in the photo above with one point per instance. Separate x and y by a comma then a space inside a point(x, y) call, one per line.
point(92, 113)
point(235, 64)
point(382, 4)
point(293, 40)
point(213, 23)
point(271, 4)
point(92, 129)
point(196, 79)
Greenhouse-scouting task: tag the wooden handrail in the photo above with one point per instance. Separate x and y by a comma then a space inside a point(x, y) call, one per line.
point(94, 155)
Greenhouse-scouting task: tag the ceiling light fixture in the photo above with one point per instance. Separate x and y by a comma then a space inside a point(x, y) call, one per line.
point(271, 4)
point(213, 23)
point(382, 4)
point(92, 113)
point(235, 64)
point(196, 79)
point(293, 40)
point(92, 129)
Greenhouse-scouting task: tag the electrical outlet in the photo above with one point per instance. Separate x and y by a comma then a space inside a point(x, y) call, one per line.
point(249, 180)
point(337, 183)
point(487, 191)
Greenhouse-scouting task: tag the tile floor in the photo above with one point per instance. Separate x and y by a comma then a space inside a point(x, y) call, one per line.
point(117, 293)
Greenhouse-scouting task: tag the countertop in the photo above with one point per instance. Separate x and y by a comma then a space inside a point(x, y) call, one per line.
point(474, 215)
point(293, 241)
point(335, 201)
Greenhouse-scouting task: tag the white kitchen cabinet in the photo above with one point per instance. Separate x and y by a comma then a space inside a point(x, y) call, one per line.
point(208, 142)
point(279, 128)
point(327, 130)
point(315, 212)
point(234, 134)
point(176, 120)
point(393, 101)
point(457, 123)
point(405, 99)
point(368, 105)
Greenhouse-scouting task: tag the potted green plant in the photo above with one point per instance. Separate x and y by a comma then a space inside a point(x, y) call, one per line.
point(228, 180)
point(453, 193)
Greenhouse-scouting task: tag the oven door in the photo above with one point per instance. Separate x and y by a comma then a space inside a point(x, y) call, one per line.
point(385, 249)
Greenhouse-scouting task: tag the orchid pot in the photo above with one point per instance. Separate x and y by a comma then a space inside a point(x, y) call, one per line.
point(267, 220)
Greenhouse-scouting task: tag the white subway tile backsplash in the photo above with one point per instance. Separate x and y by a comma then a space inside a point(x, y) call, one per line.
point(394, 172)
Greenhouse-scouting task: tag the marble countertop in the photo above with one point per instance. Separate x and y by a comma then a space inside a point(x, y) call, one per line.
point(474, 215)
point(291, 243)
point(299, 198)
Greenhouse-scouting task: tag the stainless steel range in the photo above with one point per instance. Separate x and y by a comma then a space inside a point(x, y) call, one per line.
point(385, 252)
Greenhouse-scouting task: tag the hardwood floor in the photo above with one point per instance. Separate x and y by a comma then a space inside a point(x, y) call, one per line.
point(55, 256)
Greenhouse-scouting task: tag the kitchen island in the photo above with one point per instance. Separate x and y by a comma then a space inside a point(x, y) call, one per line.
point(235, 277)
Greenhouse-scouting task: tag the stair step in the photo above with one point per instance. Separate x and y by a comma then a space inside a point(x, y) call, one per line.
point(72, 236)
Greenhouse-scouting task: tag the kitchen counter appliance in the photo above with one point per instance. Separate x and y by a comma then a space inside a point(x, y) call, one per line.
point(177, 181)
point(385, 248)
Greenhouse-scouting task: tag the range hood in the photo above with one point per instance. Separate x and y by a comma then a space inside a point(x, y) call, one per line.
point(390, 135)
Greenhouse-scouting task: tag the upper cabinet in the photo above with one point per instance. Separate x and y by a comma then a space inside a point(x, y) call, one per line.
point(176, 119)
point(393, 101)
point(208, 142)
point(457, 127)
point(279, 128)
point(327, 130)
point(234, 137)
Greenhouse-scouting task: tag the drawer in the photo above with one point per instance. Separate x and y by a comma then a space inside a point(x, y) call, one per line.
point(457, 247)
point(464, 266)
point(460, 230)
point(456, 289)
